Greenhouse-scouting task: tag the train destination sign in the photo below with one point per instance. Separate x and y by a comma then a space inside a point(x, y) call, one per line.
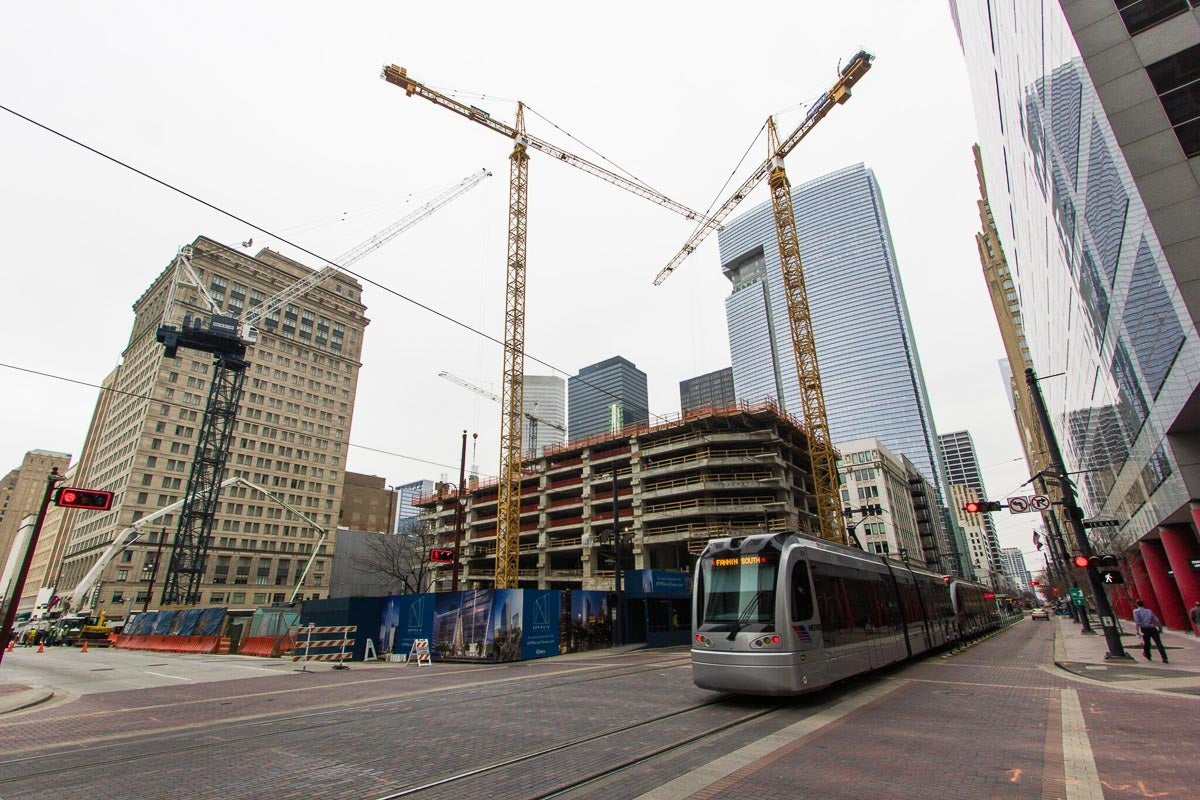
point(739, 561)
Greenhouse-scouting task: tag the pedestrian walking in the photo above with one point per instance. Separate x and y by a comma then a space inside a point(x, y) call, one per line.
point(1150, 628)
point(1195, 615)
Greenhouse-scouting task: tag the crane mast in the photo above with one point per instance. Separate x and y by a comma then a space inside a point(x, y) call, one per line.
point(512, 387)
point(808, 374)
point(508, 512)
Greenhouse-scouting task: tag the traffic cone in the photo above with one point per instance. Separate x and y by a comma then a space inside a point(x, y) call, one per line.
point(84, 650)
point(41, 647)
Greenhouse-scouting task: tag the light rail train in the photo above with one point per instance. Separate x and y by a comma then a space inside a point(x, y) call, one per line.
point(787, 613)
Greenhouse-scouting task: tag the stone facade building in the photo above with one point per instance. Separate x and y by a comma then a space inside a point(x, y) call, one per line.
point(290, 437)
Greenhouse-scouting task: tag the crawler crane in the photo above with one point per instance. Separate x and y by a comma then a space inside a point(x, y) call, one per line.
point(512, 387)
point(808, 374)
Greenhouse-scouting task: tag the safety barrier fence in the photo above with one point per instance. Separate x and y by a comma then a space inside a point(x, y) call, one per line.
point(267, 646)
point(162, 643)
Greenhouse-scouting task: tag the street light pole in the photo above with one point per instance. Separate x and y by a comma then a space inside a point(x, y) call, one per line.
point(14, 598)
point(459, 512)
point(617, 561)
point(1075, 516)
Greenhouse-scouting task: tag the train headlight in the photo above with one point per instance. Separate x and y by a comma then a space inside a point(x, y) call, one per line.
point(702, 640)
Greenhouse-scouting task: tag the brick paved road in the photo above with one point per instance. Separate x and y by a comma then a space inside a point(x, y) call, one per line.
point(997, 720)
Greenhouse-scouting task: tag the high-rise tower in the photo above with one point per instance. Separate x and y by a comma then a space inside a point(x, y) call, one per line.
point(870, 371)
point(606, 395)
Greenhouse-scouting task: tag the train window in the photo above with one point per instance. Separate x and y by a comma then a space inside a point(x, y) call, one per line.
point(802, 602)
point(739, 591)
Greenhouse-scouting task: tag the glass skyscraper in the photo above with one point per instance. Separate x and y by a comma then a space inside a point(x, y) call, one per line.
point(870, 371)
point(1101, 307)
point(608, 394)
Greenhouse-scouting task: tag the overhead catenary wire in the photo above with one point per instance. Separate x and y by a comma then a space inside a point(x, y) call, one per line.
point(224, 212)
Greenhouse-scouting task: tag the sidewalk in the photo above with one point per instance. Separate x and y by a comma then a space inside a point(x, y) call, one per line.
point(1084, 655)
point(15, 696)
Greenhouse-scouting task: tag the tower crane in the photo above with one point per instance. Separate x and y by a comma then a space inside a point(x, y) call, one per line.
point(512, 387)
point(534, 420)
point(808, 374)
point(226, 337)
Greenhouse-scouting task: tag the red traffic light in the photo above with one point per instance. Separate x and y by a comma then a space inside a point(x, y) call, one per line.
point(1034, 583)
point(441, 555)
point(1081, 561)
point(981, 506)
point(94, 499)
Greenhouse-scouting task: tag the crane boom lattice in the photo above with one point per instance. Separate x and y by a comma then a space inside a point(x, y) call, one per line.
point(839, 93)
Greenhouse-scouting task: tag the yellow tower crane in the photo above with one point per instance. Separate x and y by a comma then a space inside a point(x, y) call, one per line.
point(808, 374)
point(508, 511)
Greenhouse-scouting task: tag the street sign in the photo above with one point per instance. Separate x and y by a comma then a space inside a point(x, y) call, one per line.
point(1039, 502)
point(1077, 595)
point(1195, 562)
point(1102, 523)
point(439, 555)
point(1018, 505)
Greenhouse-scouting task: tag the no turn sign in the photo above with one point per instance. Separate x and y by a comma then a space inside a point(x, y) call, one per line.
point(1018, 505)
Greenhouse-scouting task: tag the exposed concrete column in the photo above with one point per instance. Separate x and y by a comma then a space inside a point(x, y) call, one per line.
point(1182, 548)
point(1165, 591)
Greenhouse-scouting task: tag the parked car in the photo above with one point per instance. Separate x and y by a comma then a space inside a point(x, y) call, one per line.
point(1040, 613)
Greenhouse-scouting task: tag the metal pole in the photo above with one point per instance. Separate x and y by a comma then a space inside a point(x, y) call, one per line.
point(1059, 547)
point(459, 513)
point(1075, 516)
point(14, 599)
point(162, 537)
point(617, 562)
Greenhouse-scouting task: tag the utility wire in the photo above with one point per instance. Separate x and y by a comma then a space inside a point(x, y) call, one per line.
point(149, 398)
point(260, 229)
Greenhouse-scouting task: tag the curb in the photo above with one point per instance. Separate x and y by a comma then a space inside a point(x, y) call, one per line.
point(18, 701)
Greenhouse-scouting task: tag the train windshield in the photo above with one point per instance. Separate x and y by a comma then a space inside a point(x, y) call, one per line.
point(739, 591)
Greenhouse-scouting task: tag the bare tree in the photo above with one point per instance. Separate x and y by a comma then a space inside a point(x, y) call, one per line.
point(402, 559)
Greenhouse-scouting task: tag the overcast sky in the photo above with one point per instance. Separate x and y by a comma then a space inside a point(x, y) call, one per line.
point(276, 113)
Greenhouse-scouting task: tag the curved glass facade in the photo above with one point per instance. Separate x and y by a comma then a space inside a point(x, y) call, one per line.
point(1108, 331)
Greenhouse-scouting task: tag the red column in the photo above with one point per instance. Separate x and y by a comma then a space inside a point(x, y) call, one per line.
point(1182, 548)
point(1173, 614)
point(1141, 582)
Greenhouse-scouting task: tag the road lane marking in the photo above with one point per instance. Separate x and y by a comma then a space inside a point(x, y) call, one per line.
point(708, 774)
point(173, 677)
point(1079, 765)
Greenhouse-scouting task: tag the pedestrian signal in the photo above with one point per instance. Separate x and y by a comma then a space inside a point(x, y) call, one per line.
point(93, 499)
point(982, 506)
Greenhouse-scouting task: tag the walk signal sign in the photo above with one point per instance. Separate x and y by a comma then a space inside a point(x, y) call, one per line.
point(93, 499)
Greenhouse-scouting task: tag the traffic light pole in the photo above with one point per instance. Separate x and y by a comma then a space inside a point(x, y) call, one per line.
point(1075, 516)
point(1058, 548)
point(14, 598)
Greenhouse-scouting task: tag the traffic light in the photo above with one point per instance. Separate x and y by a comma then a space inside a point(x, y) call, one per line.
point(441, 555)
point(1081, 562)
point(982, 506)
point(94, 499)
point(1109, 562)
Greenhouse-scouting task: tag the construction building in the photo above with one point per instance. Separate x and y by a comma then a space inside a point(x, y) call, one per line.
point(290, 437)
point(741, 469)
